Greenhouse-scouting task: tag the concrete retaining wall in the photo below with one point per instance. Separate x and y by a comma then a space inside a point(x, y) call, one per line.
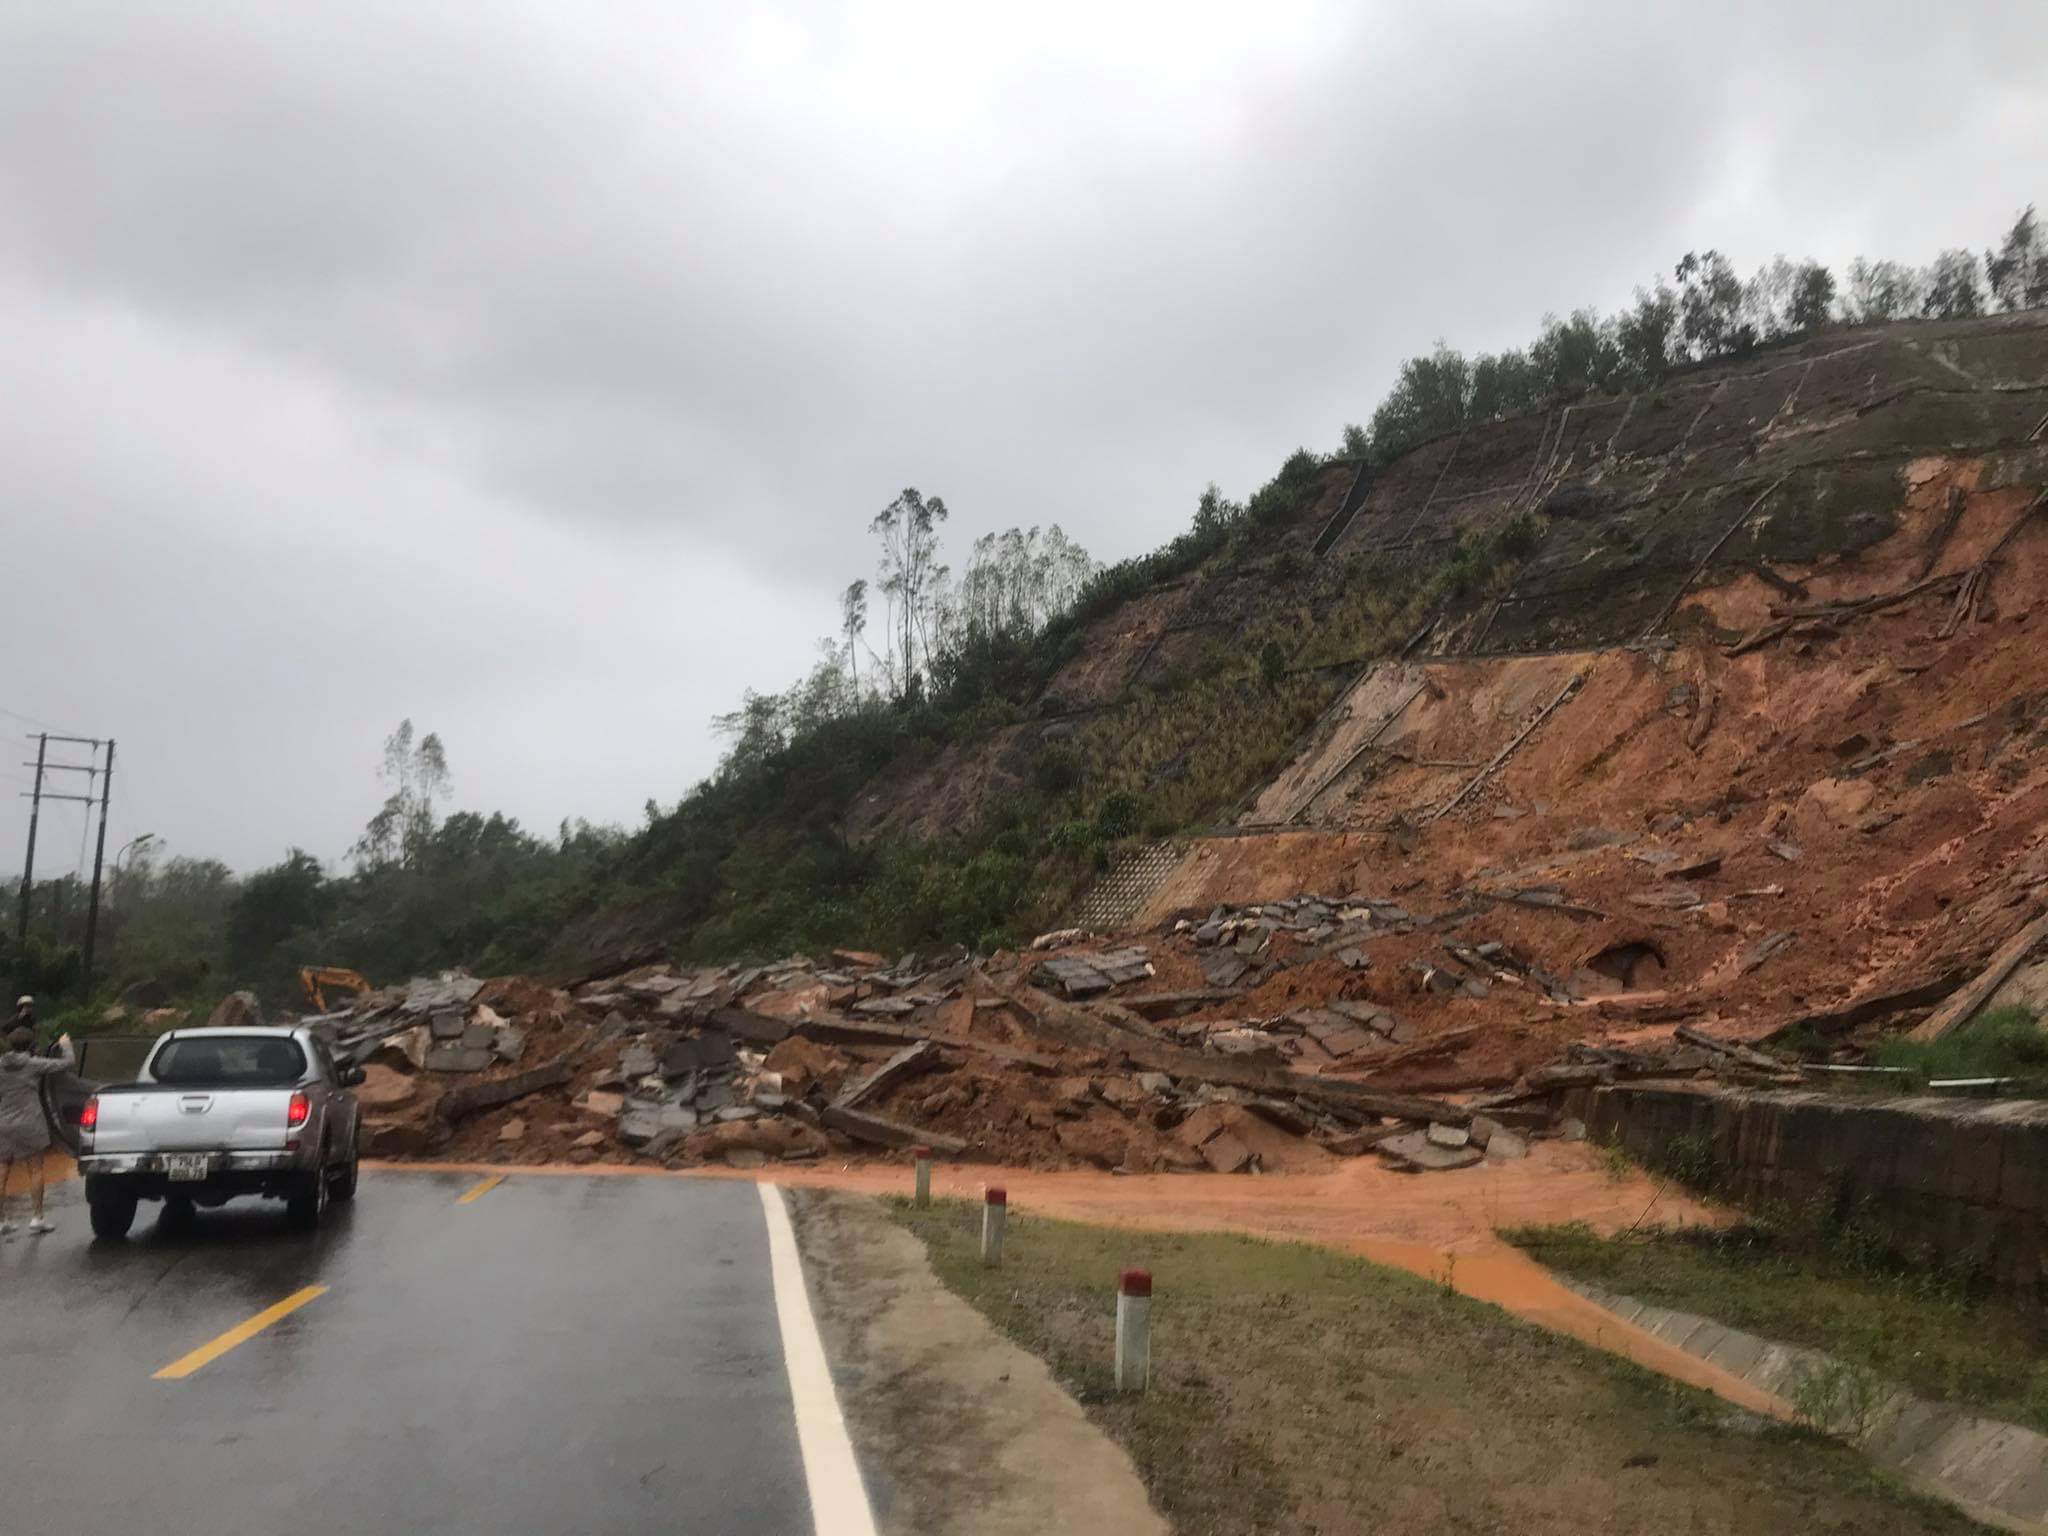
point(1966, 1182)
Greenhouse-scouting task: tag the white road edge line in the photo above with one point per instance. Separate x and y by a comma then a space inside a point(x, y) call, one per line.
point(839, 1500)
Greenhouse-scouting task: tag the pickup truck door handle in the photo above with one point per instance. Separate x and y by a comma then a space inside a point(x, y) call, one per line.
point(195, 1103)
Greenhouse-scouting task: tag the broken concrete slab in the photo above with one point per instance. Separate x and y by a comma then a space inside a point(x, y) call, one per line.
point(1506, 1146)
point(755, 1028)
point(1223, 969)
point(638, 1127)
point(1414, 1152)
point(905, 1064)
point(451, 1056)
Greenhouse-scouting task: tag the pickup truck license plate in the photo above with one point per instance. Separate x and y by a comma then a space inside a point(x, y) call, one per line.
point(183, 1167)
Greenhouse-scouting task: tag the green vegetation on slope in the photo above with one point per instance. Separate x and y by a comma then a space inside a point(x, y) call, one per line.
point(2004, 1042)
point(1299, 1390)
point(1917, 1325)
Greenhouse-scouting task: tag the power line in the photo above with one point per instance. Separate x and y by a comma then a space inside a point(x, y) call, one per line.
point(41, 725)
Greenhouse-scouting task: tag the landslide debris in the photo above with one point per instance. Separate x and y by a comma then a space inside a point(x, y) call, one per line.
point(1070, 1056)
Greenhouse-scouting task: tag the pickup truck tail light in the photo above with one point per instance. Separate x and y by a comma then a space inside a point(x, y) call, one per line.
point(295, 1116)
point(89, 1117)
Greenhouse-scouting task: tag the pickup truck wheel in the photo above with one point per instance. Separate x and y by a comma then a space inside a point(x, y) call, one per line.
point(346, 1175)
point(307, 1206)
point(113, 1213)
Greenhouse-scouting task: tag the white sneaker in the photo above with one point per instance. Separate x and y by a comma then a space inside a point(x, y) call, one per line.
point(40, 1226)
point(9, 1228)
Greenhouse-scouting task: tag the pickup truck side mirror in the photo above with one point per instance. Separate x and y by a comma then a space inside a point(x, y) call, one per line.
point(349, 1077)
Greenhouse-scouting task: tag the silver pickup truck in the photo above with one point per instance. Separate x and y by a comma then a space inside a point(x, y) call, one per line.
point(216, 1113)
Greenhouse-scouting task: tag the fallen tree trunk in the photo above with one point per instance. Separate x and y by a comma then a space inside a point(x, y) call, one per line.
point(1728, 1048)
point(1832, 1023)
point(1963, 1007)
point(1150, 1005)
point(459, 1104)
point(848, 1032)
point(880, 1132)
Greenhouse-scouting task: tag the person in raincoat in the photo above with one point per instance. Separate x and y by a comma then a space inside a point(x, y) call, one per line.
point(24, 1128)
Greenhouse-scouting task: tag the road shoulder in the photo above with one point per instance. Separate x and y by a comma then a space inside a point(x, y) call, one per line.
point(960, 1432)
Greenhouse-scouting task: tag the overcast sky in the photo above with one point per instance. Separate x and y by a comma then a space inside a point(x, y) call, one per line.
point(533, 370)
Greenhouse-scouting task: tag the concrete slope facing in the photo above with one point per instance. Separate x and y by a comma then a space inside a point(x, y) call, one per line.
point(1996, 1472)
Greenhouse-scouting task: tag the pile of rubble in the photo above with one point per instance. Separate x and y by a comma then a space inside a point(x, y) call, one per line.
point(1136, 1057)
point(858, 1056)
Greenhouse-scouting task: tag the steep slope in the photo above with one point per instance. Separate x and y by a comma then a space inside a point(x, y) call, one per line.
point(1793, 651)
point(1601, 515)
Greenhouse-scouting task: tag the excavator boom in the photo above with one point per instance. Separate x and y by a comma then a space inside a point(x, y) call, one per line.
point(316, 978)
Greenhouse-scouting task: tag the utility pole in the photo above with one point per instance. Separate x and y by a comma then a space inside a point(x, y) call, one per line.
point(92, 771)
point(28, 865)
point(99, 854)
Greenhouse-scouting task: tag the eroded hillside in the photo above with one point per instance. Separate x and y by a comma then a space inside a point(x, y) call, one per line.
point(1584, 526)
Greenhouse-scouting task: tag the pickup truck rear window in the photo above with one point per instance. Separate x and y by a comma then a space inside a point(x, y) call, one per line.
point(230, 1061)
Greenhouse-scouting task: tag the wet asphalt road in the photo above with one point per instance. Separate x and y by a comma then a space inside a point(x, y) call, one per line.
point(561, 1354)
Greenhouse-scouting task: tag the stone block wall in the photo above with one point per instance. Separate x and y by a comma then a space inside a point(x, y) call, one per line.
point(1963, 1180)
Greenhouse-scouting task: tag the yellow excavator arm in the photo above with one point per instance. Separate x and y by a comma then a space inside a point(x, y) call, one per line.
point(314, 978)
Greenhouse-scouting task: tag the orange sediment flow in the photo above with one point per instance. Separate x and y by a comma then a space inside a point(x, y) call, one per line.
point(1516, 1283)
point(1433, 1225)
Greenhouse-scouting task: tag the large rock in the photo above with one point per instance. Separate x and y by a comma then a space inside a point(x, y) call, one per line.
point(1224, 1153)
point(395, 1138)
point(773, 1138)
point(238, 1010)
point(149, 993)
point(383, 1087)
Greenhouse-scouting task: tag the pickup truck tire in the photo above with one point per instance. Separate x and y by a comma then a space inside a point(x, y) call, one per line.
point(112, 1211)
point(305, 1208)
point(346, 1176)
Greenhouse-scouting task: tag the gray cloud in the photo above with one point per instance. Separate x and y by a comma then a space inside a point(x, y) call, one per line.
point(537, 377)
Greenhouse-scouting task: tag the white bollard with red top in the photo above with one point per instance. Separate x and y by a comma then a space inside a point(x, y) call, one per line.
point(1134, 1331)
point(995, 1212)
point(921, 1161)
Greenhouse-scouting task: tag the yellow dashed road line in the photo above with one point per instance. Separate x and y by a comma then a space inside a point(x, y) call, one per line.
point(241, 1333)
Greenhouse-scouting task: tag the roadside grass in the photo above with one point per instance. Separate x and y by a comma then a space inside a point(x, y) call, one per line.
point(1297, 1390)
point(1916, 1325)
point(2004, 1042)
